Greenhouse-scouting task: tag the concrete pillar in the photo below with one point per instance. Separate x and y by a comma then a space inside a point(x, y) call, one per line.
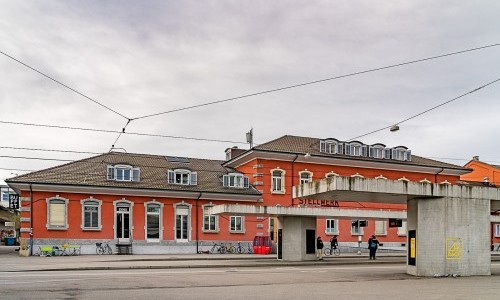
point(294, 231)
point(452, 236)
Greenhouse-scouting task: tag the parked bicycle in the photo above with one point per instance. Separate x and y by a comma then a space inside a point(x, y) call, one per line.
point(218, 248)
point(250, 248)
point(103, 248)
point(239, 248)
point(331, 251)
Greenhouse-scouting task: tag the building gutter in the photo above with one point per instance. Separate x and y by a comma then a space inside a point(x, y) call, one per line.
point(197, 227)
point(31, 220)
point(293, 174)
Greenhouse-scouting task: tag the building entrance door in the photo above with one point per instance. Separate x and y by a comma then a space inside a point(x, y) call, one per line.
point(122, 228)
point(182, 224)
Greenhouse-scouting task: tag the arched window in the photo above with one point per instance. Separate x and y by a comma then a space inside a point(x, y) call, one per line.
point(123, 173)
point(331, 174)
point(377, 151)
point(331, 146)
point(277, 181)
point(305, 177)
point(57, 213)
point(91, 214)
point(210, 222)
point(235, 180)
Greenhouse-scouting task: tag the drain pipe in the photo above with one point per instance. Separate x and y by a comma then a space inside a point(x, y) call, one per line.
point(435, 175)
point(31, 220)
point(293, 174)
point(197, 228)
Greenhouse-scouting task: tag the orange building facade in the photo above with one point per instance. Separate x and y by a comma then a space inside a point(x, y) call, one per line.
point(161, 204)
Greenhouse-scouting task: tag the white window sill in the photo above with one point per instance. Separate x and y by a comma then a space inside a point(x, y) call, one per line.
point(210, 231)
point(381, 234)
point(331, 233)
point(278, 192)
point(237, 232)
point(401, 234)
point(152, 240)
point(91, 229)
point(57, 228)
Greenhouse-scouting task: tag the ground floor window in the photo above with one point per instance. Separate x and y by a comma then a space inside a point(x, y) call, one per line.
point(91, 215)
point(57, 213)
point(236, 224)
point(497, 230)
point(332, 226)
point(402, 229)
point(357, 227)
point(210, 222)
point(380, 227)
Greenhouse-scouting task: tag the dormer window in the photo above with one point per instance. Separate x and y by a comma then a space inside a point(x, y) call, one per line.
point(377, 151)
point(401, 153)
point(183, 177)
point(123, 173)
point(331, 146)
point(356, 149)
point(235, 180)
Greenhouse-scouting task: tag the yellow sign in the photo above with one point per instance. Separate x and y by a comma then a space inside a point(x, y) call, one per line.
point(454, 248)
point(413, 252)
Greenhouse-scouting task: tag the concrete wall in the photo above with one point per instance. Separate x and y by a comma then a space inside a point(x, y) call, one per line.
point(445, 221)
point(294, 237)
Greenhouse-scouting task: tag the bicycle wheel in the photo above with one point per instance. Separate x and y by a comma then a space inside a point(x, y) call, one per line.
point(231, 250)
point(241, 250)
point(327, 251)
point(336, 251)
point(213, 249)
point(222, 250)
point(99, 250)
point(109, 250)
point(38, 252)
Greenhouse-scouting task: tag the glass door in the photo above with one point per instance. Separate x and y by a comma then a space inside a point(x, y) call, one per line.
point(182, 224)
point(123, 223)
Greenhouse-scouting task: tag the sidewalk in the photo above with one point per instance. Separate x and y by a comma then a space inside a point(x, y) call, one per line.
point(15, 263)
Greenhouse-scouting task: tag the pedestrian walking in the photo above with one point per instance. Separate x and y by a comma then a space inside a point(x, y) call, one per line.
point(319, 248)
point(334, 243)
point(373, 246)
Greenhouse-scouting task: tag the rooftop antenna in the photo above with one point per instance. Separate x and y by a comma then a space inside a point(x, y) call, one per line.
point(250, 138)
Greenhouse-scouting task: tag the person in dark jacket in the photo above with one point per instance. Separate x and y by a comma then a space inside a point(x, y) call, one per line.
point(373, 246)
point(319, 248)
point(334, 243)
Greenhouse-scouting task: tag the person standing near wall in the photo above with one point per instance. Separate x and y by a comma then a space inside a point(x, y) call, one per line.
point(319, 248)
point(334, 243)
point(373, 246)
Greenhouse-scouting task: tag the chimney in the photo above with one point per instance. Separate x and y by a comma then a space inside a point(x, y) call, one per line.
point(475, 158)
point(233, 152)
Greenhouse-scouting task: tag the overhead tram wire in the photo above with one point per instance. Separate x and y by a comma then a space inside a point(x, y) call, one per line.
point(426, 111)
point(317, 81)
point(64, 85)
point(117, 131)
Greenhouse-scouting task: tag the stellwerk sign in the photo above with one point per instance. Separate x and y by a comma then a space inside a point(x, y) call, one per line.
point(315, 202)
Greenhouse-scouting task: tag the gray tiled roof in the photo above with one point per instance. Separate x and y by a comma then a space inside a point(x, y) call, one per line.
point(303, 145)
point(153, 168)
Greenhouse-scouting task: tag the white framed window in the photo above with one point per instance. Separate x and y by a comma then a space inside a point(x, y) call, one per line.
point(154, 221)
point(401, 153)
point(210, 222)
point(332, 226)
point(377, 151)
point(57, 213)
point(356, 228)
point(91, 214)
point(497, 230)
point(237, 224)
point(123, 173)
point(235, 180)
point(331, 174)
point(305, 177)
point(330, 146)
point(277, 181)
point(380, 227)
point(182, 176)
point(402, 229)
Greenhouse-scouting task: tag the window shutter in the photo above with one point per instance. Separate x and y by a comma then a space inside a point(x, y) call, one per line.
point(364, 150)
point(136, 174)
point(387, 153)
point(194, 178)
point(394, 154)
point(340, 148)
point(347, 149)
point(371, 152)
point(408, 155)
point(246, 182)
point(171, 176)
point(225, 180)
point(57, 212)
point(111, 173)
point(322, 146)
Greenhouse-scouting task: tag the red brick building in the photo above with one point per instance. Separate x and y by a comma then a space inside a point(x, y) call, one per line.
point(159, 203)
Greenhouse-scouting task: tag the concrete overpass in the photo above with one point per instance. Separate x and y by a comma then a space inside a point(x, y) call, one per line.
point(448, 225)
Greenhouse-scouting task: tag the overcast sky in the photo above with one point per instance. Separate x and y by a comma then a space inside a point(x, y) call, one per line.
point(144, 57)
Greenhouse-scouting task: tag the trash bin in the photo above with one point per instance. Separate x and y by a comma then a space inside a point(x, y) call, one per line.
point(10, 241)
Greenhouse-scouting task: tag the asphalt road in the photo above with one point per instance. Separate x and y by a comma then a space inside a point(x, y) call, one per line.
point(361, 281)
